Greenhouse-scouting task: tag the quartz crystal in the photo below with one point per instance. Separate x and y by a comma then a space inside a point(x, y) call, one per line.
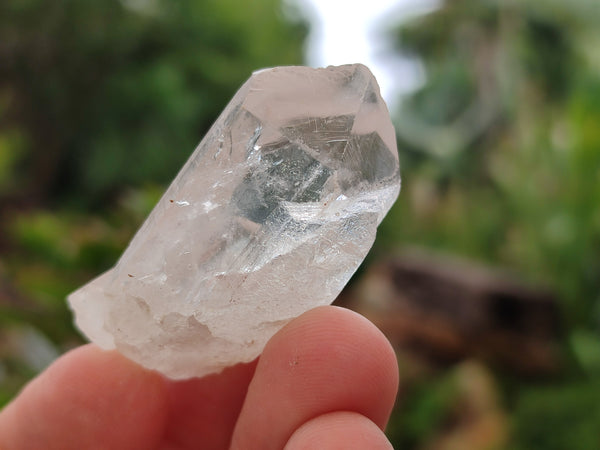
point(271, 215)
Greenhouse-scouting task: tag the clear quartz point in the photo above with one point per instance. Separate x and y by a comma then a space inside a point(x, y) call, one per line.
point(271, 215)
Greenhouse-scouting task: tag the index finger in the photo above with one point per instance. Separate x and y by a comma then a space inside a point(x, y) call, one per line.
point(89, 398)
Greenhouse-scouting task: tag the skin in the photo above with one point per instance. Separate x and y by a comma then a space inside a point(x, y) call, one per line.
point(327, 380)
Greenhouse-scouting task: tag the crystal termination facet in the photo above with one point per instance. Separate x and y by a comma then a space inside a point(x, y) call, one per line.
point(271, 215)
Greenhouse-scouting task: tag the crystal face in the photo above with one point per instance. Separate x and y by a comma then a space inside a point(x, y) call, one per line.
point(271, 215)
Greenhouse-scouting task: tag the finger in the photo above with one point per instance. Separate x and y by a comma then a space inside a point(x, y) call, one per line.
point(329, 359)
point(89, 398)
point(339, 430)
point(204, 411)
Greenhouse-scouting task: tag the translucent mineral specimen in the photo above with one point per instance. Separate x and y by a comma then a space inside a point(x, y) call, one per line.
point(270, 217)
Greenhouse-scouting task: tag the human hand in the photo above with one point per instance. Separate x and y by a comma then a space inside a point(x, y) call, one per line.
point(327, 380)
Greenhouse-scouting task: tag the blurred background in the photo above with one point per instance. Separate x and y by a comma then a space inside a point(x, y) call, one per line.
point(486, 273)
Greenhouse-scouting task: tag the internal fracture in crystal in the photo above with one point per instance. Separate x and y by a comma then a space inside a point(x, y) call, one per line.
point(271, 215)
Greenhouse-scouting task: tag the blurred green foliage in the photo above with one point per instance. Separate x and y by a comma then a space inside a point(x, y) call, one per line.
point(555, 418)
point(423, 410)
point(501, 145)
point(95, 96)
point(501, 163)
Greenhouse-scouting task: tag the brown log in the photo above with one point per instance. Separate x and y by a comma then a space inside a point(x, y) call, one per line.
point(449, 309)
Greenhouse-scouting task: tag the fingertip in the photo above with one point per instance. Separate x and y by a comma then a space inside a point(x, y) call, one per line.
point(328, 359)
point(336, 341)
point(365, 336)
point(339, 430)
